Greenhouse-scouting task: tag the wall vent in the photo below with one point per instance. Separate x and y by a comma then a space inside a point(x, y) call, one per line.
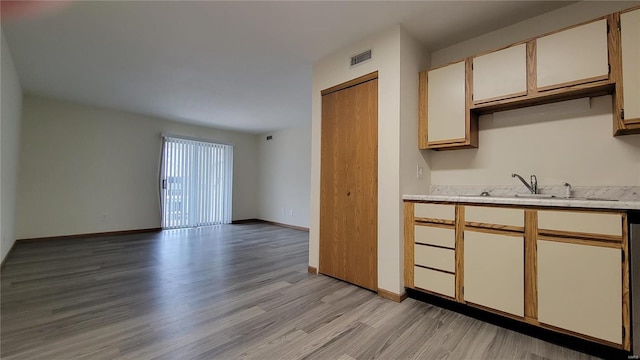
point(360, 58)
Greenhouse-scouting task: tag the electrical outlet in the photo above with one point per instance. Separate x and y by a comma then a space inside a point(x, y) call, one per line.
point(419, 174)
point(104, 217)
point(290, 212)
point(282, 211)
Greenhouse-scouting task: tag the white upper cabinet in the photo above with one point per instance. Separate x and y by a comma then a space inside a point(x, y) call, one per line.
point(630, 33)
point(500, 74)
point(446, 103)
point(573, 56)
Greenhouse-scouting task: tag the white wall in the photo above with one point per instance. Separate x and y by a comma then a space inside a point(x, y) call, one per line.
point(284, 165)
point(573, 145)
point(413, 59)
point(78, 163)
point(10, 118)
point(333, 70)
point(577, 148)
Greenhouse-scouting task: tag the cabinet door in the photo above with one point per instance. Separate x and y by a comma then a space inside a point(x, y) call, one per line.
point(494, 271)
point(580, 289)
point(573, 56)
point(446, 103)
point(630, 32)
point(500, 74)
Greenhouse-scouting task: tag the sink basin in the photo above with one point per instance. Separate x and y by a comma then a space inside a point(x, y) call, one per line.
point(535, 196)
point(591, 199)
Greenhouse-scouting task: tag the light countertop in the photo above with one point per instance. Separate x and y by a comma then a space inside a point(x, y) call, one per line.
point(545, 202)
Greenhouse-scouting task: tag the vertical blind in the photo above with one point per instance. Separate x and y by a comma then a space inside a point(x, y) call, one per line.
point(196, 180)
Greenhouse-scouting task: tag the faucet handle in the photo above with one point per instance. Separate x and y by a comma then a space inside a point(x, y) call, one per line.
point(534, 183)
point(567, 190)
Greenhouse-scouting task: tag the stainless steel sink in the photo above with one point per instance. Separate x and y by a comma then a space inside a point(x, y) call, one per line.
point(591, 199)
point(535, 196)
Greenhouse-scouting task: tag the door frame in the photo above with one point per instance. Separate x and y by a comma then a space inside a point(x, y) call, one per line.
point(350, 83)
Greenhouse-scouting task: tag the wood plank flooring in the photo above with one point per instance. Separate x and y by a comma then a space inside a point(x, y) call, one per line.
point(221, 292)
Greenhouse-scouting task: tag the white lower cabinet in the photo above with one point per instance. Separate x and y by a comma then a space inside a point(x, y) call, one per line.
point(569, 262)
point(494, 271)
point(580, 289)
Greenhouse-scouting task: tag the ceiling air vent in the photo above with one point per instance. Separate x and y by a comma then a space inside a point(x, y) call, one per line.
point(360, 58)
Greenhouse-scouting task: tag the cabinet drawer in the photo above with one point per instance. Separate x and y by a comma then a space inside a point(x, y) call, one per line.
point(435, 211)
point(433, 257)
point(436, 281)
point(494, 215)
point(582, 222)
point(435, 236)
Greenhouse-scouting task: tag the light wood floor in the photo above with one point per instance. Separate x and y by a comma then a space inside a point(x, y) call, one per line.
point(223, 292)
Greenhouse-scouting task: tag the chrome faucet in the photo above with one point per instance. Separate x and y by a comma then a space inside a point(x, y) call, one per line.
point(533, 188)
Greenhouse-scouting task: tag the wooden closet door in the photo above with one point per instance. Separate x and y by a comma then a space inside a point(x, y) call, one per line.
point(349, 184)
point(334, 204)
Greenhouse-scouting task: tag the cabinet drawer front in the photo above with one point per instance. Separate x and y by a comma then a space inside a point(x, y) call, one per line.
point(433, 257)
point(436, 281)
point(580, 289)
point(446, 103)
point(435, 211)
point(494, 215)
point(494, 271)
point(582, 222)
point(571, 55)
point(630, 33)
point(435, 236)
point(500, 73)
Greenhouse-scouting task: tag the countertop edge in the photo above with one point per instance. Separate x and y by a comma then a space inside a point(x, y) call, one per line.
point(566, 203)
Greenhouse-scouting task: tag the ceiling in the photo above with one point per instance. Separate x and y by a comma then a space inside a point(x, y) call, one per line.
point(235, 65)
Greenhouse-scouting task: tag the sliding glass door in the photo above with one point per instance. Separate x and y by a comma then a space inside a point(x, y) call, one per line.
point(196, 180)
